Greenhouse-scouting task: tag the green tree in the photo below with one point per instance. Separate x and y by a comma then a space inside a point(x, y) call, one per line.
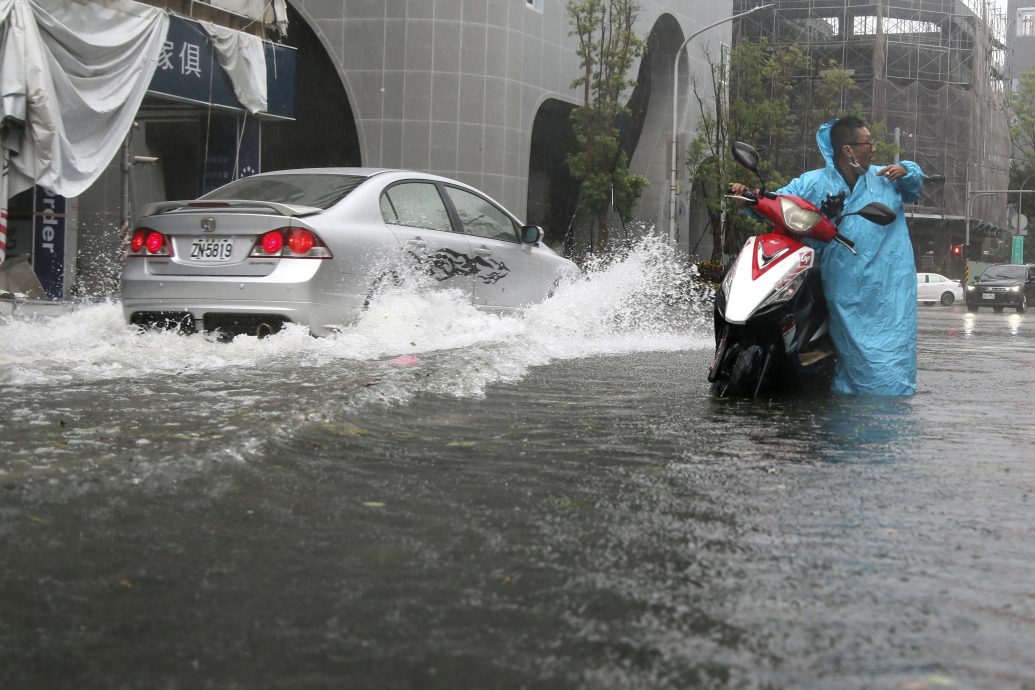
point(1022, 140)
point(607, 48)
point(1022, 127)
point(773, 99)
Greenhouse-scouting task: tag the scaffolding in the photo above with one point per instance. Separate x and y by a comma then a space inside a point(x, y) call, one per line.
point(933, 72)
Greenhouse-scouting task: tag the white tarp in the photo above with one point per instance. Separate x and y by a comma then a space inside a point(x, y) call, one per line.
point(243, 59)
point(73, 74)
point(269, 12)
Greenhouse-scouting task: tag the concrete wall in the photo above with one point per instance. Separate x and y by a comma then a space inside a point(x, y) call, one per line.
point(447, 86)
point(453, 86)
point(1022, 47)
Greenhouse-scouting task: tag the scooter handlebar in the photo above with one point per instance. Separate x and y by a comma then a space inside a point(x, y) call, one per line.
point(841, 239)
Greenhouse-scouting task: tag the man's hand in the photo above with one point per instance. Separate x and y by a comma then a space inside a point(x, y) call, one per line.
point(738, 189)
point(892, 172)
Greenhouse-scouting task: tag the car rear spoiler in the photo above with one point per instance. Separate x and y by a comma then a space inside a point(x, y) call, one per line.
point(227, 206)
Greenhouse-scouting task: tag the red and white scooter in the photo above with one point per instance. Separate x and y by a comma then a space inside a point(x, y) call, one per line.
point(771, 320)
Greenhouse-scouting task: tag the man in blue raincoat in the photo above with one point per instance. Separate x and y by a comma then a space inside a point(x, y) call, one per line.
point(871, 295)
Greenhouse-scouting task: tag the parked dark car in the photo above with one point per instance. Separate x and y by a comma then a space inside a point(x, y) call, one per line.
point(1001, 286)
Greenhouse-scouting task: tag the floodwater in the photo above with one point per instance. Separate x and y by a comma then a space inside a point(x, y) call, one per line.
point(439, 498)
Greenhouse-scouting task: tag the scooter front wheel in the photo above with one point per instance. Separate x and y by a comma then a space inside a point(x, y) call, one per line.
point(739, 374)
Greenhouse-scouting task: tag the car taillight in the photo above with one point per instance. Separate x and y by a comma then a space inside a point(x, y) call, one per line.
point(155, 241)
point(301, 241)
point(139, 235)
point(293, 243)
point(272, 242)
point(148, 242)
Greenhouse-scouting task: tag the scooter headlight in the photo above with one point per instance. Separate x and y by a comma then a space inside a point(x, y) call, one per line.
point(797, 218)
point(787, 290)
point(728, 280)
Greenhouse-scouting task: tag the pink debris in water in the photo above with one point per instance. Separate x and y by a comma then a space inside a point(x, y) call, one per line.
point(404, 360)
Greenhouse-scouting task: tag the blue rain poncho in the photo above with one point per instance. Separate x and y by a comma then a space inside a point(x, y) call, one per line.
point(872, 295)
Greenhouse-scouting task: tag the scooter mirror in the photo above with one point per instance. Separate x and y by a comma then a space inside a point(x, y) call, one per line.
point(745, 155)
point(876, 213)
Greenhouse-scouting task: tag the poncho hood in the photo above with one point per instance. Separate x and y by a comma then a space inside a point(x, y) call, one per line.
point(823, 142)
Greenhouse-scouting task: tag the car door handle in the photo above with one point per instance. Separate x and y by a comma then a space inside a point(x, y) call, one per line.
point(416, 244)
point(482, 251)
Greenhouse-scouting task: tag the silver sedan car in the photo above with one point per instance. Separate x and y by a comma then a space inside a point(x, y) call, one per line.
point(313, 246)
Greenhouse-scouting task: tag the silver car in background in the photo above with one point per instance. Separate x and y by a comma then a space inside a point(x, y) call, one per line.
point(312, 246)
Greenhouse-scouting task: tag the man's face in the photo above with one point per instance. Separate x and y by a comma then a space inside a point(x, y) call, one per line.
point(862, 147)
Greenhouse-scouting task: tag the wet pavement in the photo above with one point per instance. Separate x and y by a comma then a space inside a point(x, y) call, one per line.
point(442, 499)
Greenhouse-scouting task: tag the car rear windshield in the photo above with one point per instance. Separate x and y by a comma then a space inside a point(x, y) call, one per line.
point(319, 189)
point(1005, 273)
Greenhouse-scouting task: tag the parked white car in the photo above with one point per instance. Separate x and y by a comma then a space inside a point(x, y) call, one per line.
point(312, 246)
point(934, 287)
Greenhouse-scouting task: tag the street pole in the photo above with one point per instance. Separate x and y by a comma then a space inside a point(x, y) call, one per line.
point(126, 166)
point(675, 101)
point(967, 205)
point(3, 196)
point(966, 235)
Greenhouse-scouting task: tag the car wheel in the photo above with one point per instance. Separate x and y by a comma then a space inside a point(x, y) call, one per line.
point(948, 298)
point(1023, 306)
point(997, 310)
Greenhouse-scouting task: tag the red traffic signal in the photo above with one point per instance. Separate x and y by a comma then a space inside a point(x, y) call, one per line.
point(957, 251)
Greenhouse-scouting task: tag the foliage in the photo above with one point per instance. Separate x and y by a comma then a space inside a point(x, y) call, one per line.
point(710, 270)
point(1022, 127)
point(607, 48)
point(756, 95)
point(1022, 140)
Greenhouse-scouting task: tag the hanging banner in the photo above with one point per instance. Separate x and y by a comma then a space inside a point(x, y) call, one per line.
point(221, 148)
point(48, 244)
point(1017, 253)
point(232, 153)
point(249, 156)
point(188, 70)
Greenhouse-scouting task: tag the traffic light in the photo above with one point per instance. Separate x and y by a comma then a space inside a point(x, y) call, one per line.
point(966, 250)
point(956, 256)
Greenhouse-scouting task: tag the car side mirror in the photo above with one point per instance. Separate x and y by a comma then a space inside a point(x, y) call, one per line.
point(531, 234)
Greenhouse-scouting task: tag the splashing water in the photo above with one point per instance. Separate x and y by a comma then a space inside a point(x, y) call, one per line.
point(641, 300)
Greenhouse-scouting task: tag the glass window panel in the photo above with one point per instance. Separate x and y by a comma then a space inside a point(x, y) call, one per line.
point(415, 205)
point(482, 218)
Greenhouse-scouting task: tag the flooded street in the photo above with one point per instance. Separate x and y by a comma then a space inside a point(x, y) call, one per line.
point(439, 498)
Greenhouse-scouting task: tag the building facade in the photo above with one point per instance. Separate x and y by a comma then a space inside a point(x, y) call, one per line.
point(477, 90)
point(1021, 41)
point(932, 74)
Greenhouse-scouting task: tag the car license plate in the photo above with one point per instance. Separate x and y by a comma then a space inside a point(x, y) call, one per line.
point(988, 295)
point(212, 248)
